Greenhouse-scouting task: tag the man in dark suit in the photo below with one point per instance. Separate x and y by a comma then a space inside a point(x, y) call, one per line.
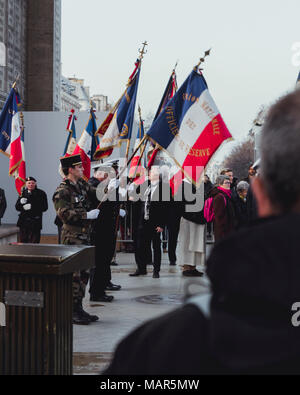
point(31, 204)
point(2, 203)
point(152, 219)
point(104, 239)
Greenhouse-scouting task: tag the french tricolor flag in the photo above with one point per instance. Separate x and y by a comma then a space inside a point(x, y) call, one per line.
point(12, 138)
point(135, 165)
point(190, 128)
point(87, 144)
point(71, 140)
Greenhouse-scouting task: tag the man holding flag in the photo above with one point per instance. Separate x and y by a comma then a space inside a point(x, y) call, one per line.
point(190, 129)
point(74, 200)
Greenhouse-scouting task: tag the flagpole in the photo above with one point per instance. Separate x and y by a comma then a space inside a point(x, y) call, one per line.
point(202, 60)
point(142, 52)
point(16, 80)
point(144, 147)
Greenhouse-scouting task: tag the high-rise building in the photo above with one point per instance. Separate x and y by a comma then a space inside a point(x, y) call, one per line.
point(13, 44)
point(43, 53)
point(30, 33)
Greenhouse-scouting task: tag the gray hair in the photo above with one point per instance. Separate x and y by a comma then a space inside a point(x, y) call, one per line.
point(280, 152)
point(220, 179)
point(242, 186)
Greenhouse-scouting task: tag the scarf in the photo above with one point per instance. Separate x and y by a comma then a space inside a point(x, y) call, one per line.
point(226, 191)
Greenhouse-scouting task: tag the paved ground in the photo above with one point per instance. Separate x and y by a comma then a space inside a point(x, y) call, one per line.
point(140, 299)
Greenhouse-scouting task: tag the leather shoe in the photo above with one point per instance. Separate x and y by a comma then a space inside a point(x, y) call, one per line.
point(137, 273)
point(155, 275)
point(102, 298)
point(91, 317)
point(80, 319)
point(192, 273)
point(113, 287)
point(114, 263)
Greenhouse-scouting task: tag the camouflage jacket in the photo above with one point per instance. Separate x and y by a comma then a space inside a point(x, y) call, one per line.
point(73, 201)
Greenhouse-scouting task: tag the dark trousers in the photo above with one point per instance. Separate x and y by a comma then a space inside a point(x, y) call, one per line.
point(173, 230)
point(28, 235)
point(148, 238)
point(100, 276)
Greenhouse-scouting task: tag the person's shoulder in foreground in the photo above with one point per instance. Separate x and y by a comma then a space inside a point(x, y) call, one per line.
point(249, 327)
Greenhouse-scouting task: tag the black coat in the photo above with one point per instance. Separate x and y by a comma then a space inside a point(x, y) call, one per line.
point(251, 205)
point(105, 224)
point(32, 218)
point(241, 212)
point(2, 203)
point(159, 208)
point(249, 330)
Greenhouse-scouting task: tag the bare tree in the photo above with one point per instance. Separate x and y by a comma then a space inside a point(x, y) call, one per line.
point(240, 158)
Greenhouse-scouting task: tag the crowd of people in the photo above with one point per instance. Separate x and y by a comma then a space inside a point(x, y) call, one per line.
point(81, 219)
point(243, 325)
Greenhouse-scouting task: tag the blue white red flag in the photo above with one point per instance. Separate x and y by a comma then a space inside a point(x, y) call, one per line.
point(169, 92)
point(190, 128)
point(71, 140)
point(117, 126)
point(12, 138)
point(87, 144)
point(135, 169)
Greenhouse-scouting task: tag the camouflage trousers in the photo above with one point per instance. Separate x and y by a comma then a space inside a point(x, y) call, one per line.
point(80, 278)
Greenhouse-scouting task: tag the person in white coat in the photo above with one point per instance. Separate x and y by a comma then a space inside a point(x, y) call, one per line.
point(191, 244)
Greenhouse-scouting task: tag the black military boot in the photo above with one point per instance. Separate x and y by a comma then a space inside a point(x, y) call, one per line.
point(78, 317)
point(85, 314)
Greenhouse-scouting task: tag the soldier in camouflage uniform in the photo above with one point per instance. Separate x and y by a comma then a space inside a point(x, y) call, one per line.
point(73, 200)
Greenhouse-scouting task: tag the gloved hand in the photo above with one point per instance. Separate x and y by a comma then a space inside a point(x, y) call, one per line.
point(113, 184)
point(27, 207)
point(23, 200)
point(93, 214)
point(122, 212)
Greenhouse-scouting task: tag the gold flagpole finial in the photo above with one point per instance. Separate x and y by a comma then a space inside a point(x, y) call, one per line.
point(142, 51)
point(139, 110)
point(202, 60)
point(16, 80)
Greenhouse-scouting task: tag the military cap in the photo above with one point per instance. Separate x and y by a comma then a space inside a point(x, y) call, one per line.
point(70, 161)
point(30, 179)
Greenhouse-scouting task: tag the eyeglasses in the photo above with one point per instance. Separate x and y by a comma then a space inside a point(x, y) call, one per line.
point(226, 182)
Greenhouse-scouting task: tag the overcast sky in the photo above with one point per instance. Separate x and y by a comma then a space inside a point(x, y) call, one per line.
point(250, 64)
